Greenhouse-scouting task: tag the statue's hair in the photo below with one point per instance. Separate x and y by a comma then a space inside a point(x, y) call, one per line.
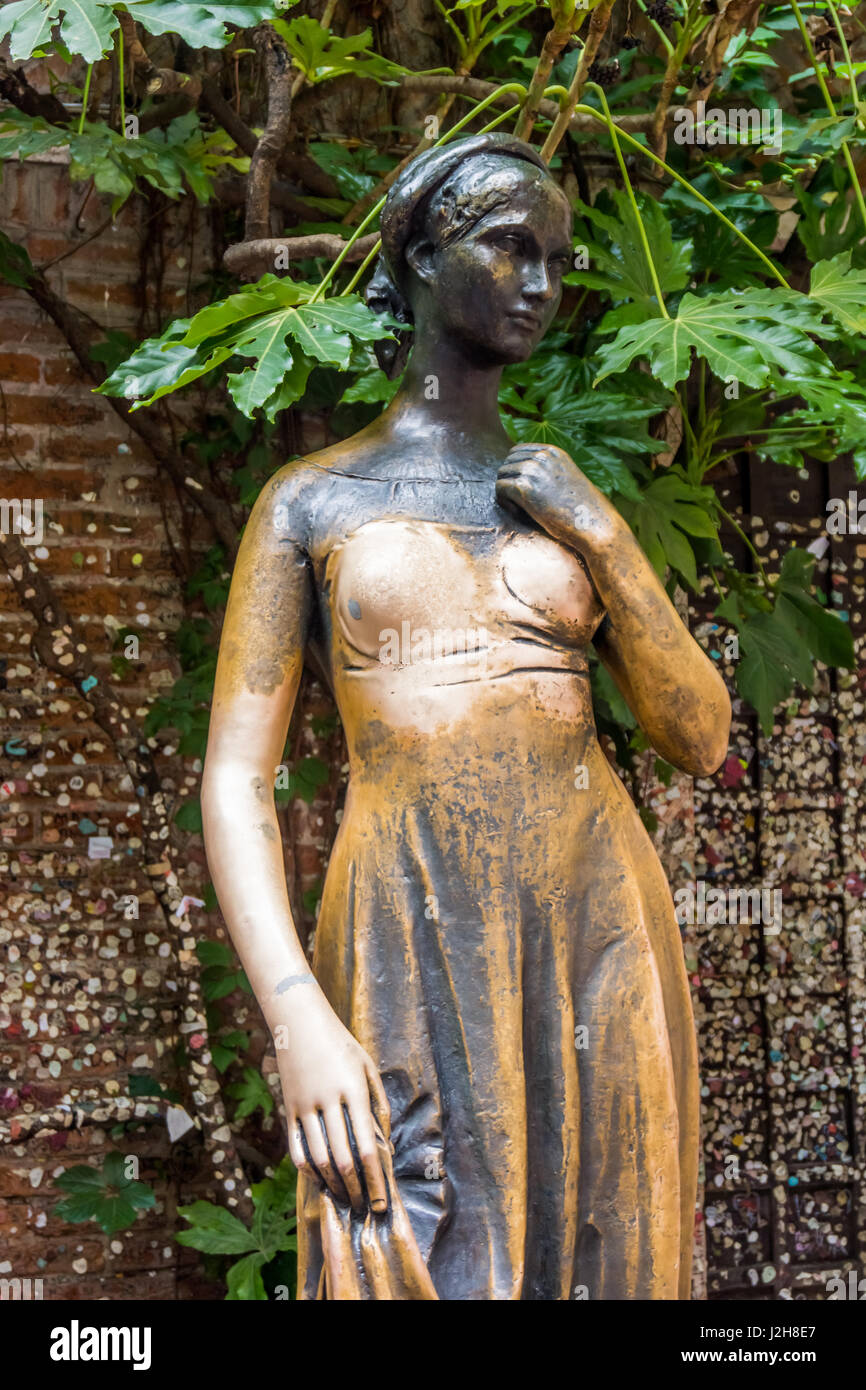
point(444, 192)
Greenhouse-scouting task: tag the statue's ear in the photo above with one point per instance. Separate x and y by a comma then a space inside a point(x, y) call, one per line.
point(383, 297)
point(419, 255)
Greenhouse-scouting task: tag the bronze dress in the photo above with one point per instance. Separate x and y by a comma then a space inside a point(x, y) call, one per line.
point(497, 931)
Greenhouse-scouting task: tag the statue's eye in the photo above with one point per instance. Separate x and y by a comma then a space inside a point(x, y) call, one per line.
point(509, 242)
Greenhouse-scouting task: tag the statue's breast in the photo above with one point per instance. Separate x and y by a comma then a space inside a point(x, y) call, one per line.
point(423, 582)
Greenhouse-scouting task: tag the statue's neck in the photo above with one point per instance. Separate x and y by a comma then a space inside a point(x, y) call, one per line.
point(449, 398)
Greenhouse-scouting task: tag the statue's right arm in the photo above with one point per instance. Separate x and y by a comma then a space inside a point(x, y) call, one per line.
point(329, 1082)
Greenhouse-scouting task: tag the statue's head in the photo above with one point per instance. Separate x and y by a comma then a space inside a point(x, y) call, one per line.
point(476, 237)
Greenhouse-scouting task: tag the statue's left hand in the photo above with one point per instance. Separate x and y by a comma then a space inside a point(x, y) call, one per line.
point(549, 486)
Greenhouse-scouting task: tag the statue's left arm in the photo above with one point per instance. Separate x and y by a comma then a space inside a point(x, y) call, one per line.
point(671, 686)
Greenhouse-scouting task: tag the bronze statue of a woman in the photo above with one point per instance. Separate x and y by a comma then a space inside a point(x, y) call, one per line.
point(490, 1074)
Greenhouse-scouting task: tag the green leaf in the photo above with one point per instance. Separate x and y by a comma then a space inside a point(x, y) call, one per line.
point(160, 366)
point(320, 55)
point(824, 633)
point(28, 24)
point(278, 1192)
point(244, 1279)
point(743, 335)
point(142, 1085)
point(841, 291)
point(344, 167)
point(827, 636)
point(836, 406)
point(607, 698)
point(226, 1048)
point(201, 25)
point(188, 816)
point(602, 432)
point(220, 986)
point(253, 1094)
point(763, 674)
point(291, 388)
point(258, 322)
point(214, 953)
point(16, 266)
point(214, 1230)
point(372, 387)
point(107, 1197)
point(669, 510)
point(270, 292)
point(81, 1179)
point(111, 1213)
point(620, 267)
point(86, 26)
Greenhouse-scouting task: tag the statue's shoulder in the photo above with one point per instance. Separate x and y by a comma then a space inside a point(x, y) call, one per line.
point(299, 498)
point(293, 494)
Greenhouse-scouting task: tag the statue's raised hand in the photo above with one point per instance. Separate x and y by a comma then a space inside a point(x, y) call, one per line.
point(549, 487)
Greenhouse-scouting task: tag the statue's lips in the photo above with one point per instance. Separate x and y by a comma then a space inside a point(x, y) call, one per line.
point(528, 320)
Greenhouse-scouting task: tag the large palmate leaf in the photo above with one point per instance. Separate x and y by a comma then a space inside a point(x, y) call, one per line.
point(161, 365)
point(274, 322)
point(831, 421)
point(669, 511)
point(824, 222)
point(87, 27)
point(549, 400)
point(745, 336)
point(202, 23)
point(772, 662)
point(16, 266)
point(106, 1196)
point(319, 55)
point(619, 266)
point(167, 159)
point(781, 641)
point(215, 1231)
point(841, 291)
point(826, 635)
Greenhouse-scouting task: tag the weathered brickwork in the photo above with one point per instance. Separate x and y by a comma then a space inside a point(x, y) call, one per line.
point(90, 992)
point(780, 1008)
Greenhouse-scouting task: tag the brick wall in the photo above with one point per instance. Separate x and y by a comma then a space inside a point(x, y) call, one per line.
point(781, 1014)
point(87, 996)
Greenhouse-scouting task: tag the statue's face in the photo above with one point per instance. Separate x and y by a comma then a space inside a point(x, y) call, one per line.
point(498, 287)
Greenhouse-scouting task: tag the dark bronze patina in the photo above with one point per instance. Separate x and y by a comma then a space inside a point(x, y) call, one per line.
point(491, 1079)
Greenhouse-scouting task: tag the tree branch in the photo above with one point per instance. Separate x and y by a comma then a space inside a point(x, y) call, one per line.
point(597, 27)
point(15, 89)
point(476, 89)
point(255, 257)
point(136, 52)
point(268, 147)
point(554, 42)
point(231, 188)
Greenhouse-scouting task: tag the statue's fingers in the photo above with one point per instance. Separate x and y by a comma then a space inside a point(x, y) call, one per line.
point(298, 1152)
point(314, 1136)
point(378, 1099)
point(341, 1154)
point(361, 1123)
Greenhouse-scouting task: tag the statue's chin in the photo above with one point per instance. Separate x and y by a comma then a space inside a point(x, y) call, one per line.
point(503, 353)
